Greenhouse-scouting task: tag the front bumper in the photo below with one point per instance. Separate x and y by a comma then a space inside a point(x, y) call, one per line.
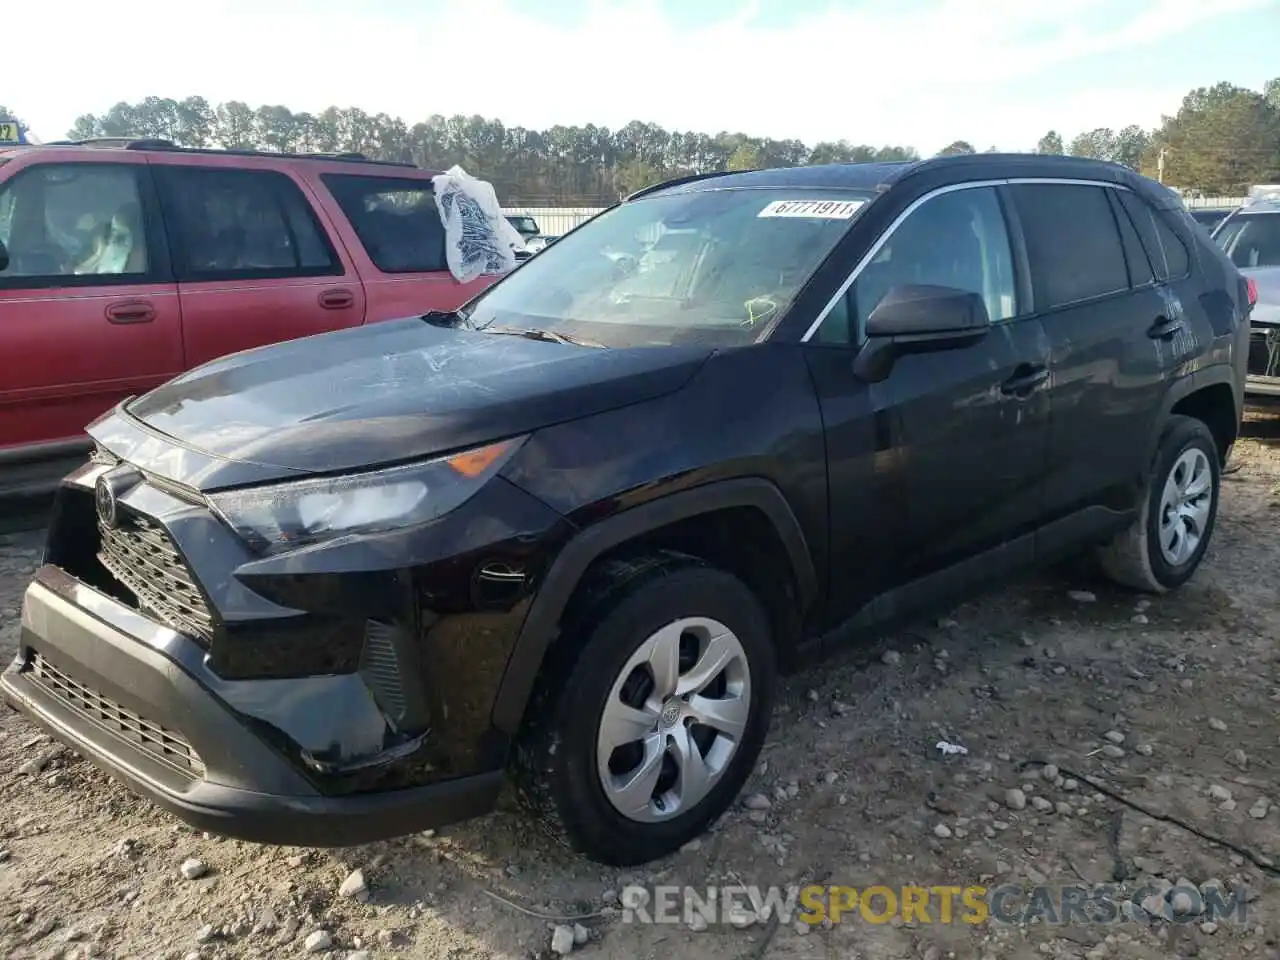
point(107, 682)
point(1264, 361)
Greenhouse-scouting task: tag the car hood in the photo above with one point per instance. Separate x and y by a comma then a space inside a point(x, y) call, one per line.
point(386, 392)
point(1267, 280)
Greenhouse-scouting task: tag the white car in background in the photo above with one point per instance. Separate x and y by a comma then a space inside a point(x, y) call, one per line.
point(540, 242)
point(1250, 236)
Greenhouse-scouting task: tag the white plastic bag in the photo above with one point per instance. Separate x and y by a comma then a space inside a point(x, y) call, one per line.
point(477, 238)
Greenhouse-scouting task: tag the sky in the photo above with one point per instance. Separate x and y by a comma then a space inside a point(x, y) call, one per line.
point(922, 73)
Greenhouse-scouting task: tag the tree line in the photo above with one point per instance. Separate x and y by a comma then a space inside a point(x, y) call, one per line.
point(1221, 140)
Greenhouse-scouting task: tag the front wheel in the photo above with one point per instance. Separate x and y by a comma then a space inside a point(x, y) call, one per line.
point(659, 722)
point(1168, 540)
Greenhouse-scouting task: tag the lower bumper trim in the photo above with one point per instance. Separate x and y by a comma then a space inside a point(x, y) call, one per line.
point(1260, 386)
point(311, 821)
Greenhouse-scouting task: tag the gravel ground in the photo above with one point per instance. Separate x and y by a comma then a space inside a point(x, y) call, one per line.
point(1170, 704)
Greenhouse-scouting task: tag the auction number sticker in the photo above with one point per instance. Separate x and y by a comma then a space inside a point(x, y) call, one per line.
point(815, 209)
point(9, 132)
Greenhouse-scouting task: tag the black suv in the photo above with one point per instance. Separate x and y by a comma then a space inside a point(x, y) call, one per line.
point(330, 590)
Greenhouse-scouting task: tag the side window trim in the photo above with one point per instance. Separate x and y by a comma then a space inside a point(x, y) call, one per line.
point(159, 261)
point(276, 179)
point(1024, 288)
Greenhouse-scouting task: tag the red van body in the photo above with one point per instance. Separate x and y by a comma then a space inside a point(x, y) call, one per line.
point(133, 261)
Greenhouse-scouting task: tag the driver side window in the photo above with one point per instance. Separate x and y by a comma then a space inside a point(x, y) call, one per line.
point(957, 239)
point(74, 224)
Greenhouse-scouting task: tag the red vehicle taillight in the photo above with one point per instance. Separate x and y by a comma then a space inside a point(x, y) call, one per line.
point(1253, 290)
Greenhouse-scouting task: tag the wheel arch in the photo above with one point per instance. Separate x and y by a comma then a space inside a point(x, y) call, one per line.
point(1211, 395)
point(633, 525)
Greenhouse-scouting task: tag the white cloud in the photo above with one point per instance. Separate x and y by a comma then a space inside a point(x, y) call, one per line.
point(905, 74)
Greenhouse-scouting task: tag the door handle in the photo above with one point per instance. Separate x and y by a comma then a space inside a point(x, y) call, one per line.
point(131, 311)
point(1025, 380)
point(337, 299)
point(1165, 328)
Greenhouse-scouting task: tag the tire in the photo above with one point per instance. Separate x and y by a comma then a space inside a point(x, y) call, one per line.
point(1136, 558)
point(557, 766)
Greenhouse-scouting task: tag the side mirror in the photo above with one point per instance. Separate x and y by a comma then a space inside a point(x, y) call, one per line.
point(4, 257)
point(918, 310)
point(919, 318)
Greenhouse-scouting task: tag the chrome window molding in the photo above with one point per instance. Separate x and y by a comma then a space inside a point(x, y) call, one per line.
point(916, 205)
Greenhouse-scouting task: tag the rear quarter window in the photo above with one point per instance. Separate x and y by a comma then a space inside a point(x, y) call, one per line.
point(1169, 254)
point(396, 221)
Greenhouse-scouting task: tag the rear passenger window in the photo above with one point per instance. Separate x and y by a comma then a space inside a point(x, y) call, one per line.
point(1073, 242)
point(242, 224)
point(396, 220)
point(74, 225)
point(1169, 254)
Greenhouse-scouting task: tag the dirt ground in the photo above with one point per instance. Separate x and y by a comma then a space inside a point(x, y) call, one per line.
point(1055, 668)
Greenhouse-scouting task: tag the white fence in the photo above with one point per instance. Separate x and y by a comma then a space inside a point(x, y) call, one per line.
point(555, 221)
point(1215, 203)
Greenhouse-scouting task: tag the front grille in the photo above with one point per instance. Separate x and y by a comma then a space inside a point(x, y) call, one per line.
point(103, 456)
point(160, 744)
point(140, 555)
point(1264, 352)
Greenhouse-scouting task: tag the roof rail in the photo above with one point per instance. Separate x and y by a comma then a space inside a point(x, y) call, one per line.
point(158, 144)
point(127, 143)
point(677, 181)
point(346, 157)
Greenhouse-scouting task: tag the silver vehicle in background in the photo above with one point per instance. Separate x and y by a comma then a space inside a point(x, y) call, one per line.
point(534, 239)
point(1250, 236)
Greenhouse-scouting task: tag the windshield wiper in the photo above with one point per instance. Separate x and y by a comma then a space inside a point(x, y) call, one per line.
point(547, 336)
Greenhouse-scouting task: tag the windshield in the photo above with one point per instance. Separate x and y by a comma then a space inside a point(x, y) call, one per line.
point(1252, 239)
point(713, 267)
point(523, 224)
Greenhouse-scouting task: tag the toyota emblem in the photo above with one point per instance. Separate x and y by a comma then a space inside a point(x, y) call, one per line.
point(107, 491)
point(105, 498)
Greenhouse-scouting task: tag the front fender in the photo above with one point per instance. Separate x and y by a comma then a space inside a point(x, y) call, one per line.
point(542, 623)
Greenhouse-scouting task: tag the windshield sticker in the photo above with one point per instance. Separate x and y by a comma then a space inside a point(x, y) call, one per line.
point(815, 209)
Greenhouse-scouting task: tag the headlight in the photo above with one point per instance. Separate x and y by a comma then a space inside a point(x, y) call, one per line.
point(290, 515)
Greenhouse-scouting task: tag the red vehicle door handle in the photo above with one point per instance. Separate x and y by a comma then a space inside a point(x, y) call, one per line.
point(337, 299)
point(131, 311)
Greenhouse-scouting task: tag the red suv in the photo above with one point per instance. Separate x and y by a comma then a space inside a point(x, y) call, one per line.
point(132, 261)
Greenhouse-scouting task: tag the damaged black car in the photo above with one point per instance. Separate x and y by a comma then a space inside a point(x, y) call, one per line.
point(341, 588)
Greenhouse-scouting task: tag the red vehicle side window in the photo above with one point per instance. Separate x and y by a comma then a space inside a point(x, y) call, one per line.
point(76, 224)
point(396, 220)
point(242, 224)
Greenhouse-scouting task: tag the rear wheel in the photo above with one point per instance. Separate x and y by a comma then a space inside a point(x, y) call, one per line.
point(1166, 543)
point(658, 721)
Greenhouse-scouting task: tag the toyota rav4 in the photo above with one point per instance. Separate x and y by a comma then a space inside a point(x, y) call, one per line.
point(331, 590)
